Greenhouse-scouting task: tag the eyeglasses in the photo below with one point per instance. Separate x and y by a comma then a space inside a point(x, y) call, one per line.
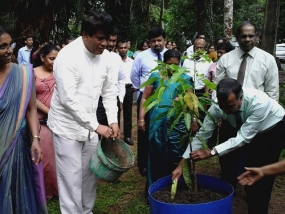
point(6, 47)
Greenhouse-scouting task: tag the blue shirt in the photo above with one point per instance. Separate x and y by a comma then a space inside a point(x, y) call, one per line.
point(24, 56)
point(142, 66)
point(259, 113)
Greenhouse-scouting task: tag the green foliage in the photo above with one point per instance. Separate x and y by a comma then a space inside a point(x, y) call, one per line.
point(187, 173)
point(185, 105)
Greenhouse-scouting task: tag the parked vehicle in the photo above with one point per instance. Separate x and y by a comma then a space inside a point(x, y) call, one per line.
point(280, 52)
point(235, 44)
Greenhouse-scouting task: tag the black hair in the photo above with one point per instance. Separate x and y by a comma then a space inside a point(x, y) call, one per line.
point(156, 32)
point(211, 45)
point(227, 86)
point(97, 21)
point(140, 46)
point(115, 32)
point(257, 30)
point(36, 45)
point(26, 37)
point(44, 51)
point(121, 40)
point(172, 53)
point(227, 46)
point(3, 30)
point(199, 34)
point(168, 42)
point(216, 41)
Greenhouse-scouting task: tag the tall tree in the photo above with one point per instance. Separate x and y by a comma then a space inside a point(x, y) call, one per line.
point(228, 19)
point(271, 18)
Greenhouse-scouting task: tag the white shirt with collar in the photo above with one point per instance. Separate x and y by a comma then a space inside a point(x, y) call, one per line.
point(261, 70)
point(142, 66)
point(127, 69)
point(202, 68)
point(24, 56)
point(117, 62)
point(81, 77)
point(258, 112)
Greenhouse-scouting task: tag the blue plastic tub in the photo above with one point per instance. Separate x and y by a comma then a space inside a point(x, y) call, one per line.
point(223, 206)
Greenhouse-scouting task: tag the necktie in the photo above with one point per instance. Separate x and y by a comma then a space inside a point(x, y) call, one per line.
point(242, 68)
point(159, 57)
point(238, 120)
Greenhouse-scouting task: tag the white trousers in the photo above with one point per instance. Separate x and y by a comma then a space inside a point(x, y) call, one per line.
point(76, 183)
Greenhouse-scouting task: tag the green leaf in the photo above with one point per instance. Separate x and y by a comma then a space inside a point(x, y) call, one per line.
point(151, 105)
point(173, 189)
point(170, 112)
point(175, 121)
point(182, 140)
point(201, 106)
point(157, 68)
point(187, 119)
point(209, 84)
point(174, 67)
point(160, 91)
point(203, 141)
point(187, 173)
point(149, 81)
point(161, 115)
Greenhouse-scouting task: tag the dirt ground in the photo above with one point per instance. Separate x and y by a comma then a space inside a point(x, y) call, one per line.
point(277, 203)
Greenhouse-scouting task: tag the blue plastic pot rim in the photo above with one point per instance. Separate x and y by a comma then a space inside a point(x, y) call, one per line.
point(150, 194)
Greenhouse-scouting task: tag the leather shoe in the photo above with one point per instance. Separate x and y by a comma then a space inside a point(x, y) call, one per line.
point(129, 141)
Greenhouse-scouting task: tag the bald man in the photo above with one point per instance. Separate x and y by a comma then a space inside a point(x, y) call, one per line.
point(201, 67)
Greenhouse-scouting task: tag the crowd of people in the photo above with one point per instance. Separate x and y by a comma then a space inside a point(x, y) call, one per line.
point(56, 103)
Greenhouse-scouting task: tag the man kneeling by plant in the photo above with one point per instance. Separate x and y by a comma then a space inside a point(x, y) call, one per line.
point(258, 140)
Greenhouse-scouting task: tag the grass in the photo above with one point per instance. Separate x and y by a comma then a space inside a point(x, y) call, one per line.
point(123, 197)
point(127, 196)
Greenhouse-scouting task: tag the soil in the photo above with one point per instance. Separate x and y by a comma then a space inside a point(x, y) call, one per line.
point(186, 196)
point(276, 206)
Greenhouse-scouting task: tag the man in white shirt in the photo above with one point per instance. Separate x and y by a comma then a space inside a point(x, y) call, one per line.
point(190, 50)
point(258, 139)
point(117, 63)
point(198, 67)
point(128, 99)
point(261, 69)
point(141, 70)
point(25, 52)
point(82, 72)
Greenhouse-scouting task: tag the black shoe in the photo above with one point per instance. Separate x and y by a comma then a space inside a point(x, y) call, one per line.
point(129, 141)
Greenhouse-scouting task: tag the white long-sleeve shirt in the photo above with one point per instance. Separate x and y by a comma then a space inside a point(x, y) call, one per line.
point(201, 68)
point(81, 77)
point(118, 65)
point(258, 112)
point(261, 70)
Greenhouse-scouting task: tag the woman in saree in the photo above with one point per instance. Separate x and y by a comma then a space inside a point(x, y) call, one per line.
point(164, 151)
point(45, 82)
point(20, 150)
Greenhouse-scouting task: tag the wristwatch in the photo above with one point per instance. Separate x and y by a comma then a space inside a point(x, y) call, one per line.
point(213, 152)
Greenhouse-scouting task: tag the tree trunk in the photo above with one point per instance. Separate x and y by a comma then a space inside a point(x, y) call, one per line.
point(271, 17)
point(228, 19)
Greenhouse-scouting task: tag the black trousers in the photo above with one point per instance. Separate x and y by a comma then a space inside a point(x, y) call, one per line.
point(142, 148)
point(101, 113)
point(127, 109)
point(264, 149)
